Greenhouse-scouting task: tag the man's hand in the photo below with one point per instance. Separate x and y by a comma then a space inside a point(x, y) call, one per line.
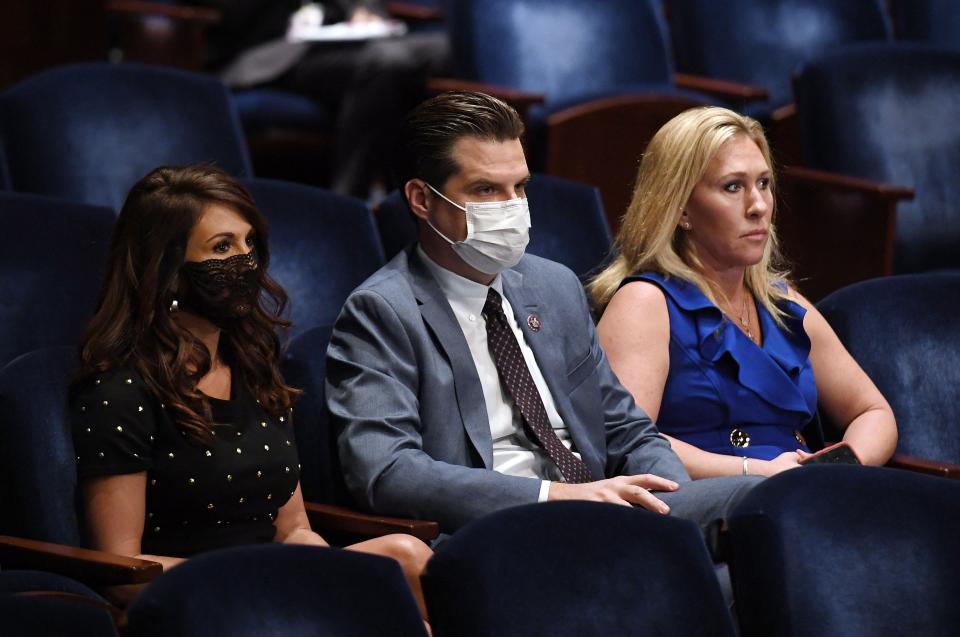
point(623, 490)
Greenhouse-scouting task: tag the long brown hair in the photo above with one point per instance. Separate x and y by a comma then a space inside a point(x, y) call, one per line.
point(133, 325)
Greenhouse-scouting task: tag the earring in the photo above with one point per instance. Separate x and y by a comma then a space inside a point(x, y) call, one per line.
point(174, 306)
point(685, 225)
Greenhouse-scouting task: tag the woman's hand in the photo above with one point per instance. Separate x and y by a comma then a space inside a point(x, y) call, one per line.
point(783, 462)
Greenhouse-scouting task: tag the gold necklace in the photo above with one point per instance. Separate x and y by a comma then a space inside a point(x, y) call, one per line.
point(744, 320)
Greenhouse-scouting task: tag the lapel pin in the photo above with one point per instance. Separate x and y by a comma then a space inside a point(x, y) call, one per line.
point(533, 322)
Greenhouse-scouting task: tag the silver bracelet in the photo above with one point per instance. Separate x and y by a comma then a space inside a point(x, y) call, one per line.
point(746, 466)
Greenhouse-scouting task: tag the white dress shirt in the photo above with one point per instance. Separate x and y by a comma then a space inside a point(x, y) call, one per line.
point(513, 452)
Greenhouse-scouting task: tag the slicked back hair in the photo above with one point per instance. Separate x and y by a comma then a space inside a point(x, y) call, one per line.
point(429, 132)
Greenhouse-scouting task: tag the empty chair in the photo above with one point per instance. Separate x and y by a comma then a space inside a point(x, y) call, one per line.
point(840, 550)
point(903, 331)
point(935, 22)
point(761, 42)
point(50, 269)
point(574, 568)
point(566, 51)
point(567, 218)
point(888, 113)
point(276, 590)
point(88, 132)
point(322, 246)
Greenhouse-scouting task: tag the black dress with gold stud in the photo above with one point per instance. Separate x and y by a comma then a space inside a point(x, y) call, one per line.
point(198, 496)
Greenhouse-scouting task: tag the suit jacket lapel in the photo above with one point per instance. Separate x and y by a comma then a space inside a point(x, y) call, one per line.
point(439, 317)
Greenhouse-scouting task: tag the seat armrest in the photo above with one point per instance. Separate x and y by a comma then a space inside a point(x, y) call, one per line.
point(520, 100)
point(721, 88)
point(183, 13)
point(97, 568)
point(413, 12)
point(866, 186)
point(344, 521)
point(922, 465)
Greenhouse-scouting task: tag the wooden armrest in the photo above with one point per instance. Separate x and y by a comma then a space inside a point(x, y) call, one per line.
point(822, 177)
point(175, 12)
point(414, 12)
point(347, 521)
point(721, 88)
point(86, 565)
point(922, 465)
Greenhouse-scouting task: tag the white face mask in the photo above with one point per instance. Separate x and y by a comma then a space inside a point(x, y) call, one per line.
point(497, 233)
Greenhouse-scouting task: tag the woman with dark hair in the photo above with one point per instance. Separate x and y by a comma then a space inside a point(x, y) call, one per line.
point(181, 418)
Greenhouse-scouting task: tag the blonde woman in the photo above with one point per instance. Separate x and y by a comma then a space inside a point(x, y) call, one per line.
point(702, 326)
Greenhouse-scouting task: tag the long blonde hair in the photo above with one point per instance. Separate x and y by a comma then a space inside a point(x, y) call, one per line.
point(650, 239)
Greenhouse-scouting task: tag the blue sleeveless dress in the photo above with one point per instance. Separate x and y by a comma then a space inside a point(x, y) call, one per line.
point(726, 394)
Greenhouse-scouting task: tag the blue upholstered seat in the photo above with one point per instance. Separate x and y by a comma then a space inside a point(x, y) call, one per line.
point(49, 270)
point(574, 568)
point(262, 109)
point(322, 246)
point(88, 132)
point(53, 616)
point(905, 333)
point(568, 223)
point(889, 113)
point(934, 22)
point(841, 550)
point(569, 51)
point(305, 366)
point(38, 467)
point(761, 42)
point(277, 590)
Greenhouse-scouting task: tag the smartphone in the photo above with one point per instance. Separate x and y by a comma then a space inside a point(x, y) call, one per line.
point(840, 453)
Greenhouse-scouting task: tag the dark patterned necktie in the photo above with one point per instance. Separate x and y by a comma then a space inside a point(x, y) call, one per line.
point(515, 375)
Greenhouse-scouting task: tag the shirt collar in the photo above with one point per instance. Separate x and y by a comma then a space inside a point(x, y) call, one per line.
point(457, 288)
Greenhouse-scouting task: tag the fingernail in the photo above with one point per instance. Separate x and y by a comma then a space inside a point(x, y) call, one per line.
point(664, 509)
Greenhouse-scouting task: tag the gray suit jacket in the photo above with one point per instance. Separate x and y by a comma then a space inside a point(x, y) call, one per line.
point(402, 387)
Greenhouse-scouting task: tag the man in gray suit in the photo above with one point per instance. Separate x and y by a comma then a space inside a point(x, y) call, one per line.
point(465, 376)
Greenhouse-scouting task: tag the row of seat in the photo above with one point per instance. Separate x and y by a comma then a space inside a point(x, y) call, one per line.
point(810, 554)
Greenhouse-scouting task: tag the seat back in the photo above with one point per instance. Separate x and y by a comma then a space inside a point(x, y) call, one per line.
point(568, 224)
point(935, 22)
point(903, 331)
point(574, 568)
point(561, 48)
point(305, 367)
point(38, 467)
point(88, 132)
point(841, 550)
point(889, 113)
point(761, 42)
point(40, 613)
point(294, 591)
point(322, 246)
point(50, 270)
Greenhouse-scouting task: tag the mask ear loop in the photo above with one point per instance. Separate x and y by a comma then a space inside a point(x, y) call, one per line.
point(433, 227)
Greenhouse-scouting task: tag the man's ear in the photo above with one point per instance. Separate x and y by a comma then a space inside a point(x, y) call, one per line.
point(415, 191)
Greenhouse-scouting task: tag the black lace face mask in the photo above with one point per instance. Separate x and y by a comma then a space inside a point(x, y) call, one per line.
point(220, 290)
